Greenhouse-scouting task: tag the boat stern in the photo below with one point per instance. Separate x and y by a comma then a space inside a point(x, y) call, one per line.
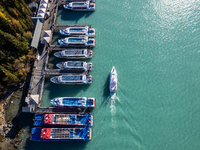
point(91, 42)
point(89, 79)
point(89, 66)
point(90, 54)
point(92, 7)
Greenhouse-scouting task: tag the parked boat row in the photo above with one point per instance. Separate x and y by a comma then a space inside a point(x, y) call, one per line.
point(80, 6)
point(78, 31)
point(70, 127)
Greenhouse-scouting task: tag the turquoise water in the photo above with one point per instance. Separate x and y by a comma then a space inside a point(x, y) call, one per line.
point(155, 47)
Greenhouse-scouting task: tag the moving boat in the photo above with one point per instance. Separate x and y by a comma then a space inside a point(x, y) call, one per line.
point(74, 54)
point(77, 41)
point(75, 102)
point(113, 80)
point(61, 134)
point(78, 31)
point(72, 79)
point(63, 120)
point(80, 6)
point(75, 65)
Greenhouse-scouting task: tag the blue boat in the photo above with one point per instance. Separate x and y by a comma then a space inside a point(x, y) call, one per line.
point(72, 79)
point(63, 120)
point(61, 134)
point(74, 102)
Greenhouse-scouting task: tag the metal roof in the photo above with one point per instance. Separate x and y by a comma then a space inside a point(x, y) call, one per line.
point(38, 21)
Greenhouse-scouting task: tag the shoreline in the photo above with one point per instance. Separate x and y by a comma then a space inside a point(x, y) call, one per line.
point(11, 105)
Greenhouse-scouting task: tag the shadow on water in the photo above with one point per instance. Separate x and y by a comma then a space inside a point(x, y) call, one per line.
point(75, 145)
point(57, 36)
point(72, 15)
point(106, 92)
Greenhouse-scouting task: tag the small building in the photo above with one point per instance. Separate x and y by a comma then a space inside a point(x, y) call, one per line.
point(33, 6)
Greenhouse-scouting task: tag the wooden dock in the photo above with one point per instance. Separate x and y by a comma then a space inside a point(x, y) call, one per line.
point(58, 26)
point(60, 48)
point(69, 46)
point(63, 2)
point(65, 72)
point(63, 110)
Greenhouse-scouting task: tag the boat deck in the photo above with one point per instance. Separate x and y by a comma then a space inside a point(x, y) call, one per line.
point(73, 102)
point(75, 64)
point(71, 78)
point(74, 52)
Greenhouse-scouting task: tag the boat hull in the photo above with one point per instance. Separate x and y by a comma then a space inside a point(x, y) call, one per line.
point(37, 134)
point(89, 55)
point(55, 80)
point(73, 102)
point(63, 120)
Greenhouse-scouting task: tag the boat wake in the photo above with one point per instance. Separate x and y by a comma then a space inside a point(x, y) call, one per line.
point(113, 98)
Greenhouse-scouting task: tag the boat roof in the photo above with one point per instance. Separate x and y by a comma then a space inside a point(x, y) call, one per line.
point(74, 64)
point(74, 52)
point(71, 78)
point(66, 119)
point(79, 3)
point(77, 40)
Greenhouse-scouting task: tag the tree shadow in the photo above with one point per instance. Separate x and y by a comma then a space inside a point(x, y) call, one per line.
point(75, 145)
point(72, 15)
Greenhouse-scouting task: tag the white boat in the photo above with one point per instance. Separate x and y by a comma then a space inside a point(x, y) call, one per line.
point(78, 31)
point(77, 41)
point(72, 79)
point(80, 6)
point(113, 80)
point(75, 102)
point(74, 54)
point(75, 65)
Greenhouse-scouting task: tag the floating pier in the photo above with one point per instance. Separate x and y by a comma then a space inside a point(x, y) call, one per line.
point(67, 26)
point(63, 2)
point(60, 48)
point(66, 71)
point(63, 110)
